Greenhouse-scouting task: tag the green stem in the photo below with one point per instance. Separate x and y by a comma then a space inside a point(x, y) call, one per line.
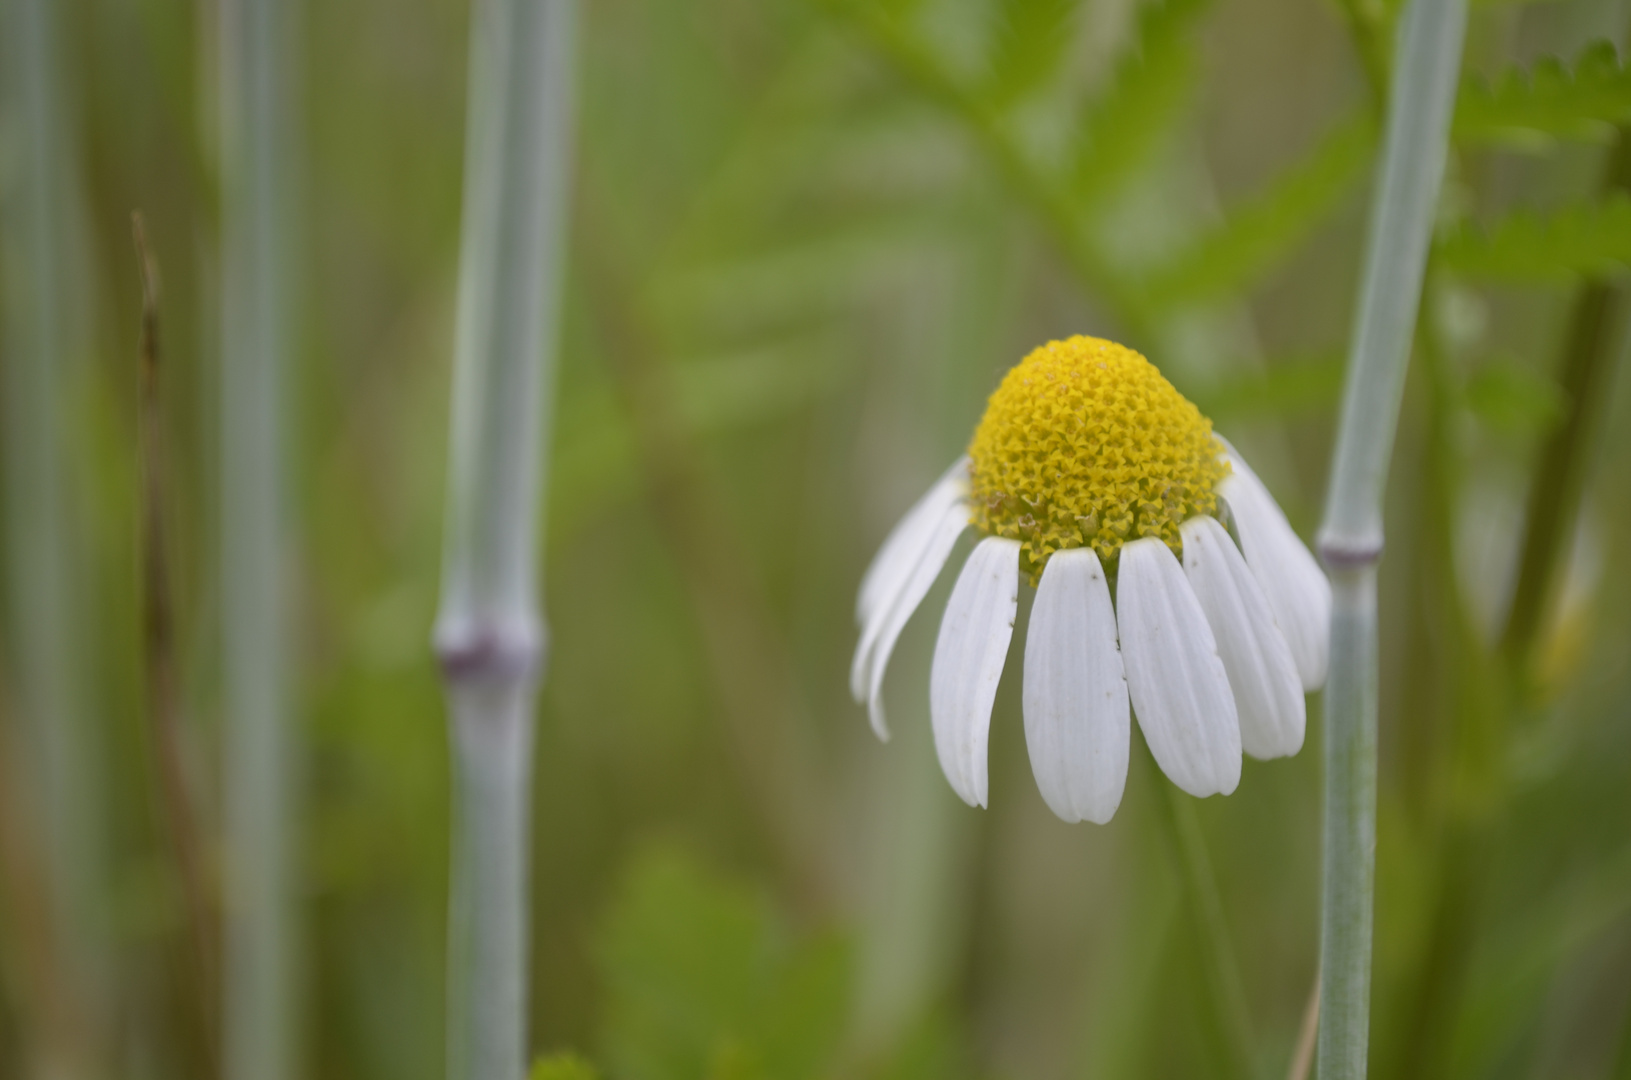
point(489, 634)
point(1350, 829)
point(42, 313)
point(492, 747)
point(1422, 94)
point(257, 117)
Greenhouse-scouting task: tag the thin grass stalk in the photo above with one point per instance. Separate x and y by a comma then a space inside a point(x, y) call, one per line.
point(162, 698)
point(43, 631)
point(257, 331)
point(489, 635)
point(1421, 96)
point(1225, 995)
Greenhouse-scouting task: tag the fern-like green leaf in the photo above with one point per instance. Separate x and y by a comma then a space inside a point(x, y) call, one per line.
point(1590, 239)
point(1531, 109)
point(1261, 231)
point(1151, 82)
point(1028, 40)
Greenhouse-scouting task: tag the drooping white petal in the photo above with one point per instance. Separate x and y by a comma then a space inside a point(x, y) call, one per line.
point(1076, 720)
point(968, 659)
point(942, 538)
point(1295, 586)
point(892, 568)
point(900, 548)
point(1174, 674)
point(1268, 691)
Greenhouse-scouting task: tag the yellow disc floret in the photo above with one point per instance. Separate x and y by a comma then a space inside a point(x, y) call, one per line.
point(1085, 444)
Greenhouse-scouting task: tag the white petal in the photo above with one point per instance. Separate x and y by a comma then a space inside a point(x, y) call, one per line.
point(968, 659)
point(900, 548)
point(1295, 586)
point(892, 567)
point(1174, 674)
point(942, 538)
point(1262, 674)
point(1076, 721)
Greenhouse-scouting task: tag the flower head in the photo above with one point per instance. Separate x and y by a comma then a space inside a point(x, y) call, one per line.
point(1085, 444)
point(1089, 470)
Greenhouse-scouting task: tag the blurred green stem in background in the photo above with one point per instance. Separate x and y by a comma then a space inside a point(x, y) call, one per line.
point(1592, 346)
point(45, 645)
point(1226, 993)
point(1420, 103)
point(258, 325)
point(489, 634)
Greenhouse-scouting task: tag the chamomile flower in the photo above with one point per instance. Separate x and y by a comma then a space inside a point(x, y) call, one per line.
point(1096, 480)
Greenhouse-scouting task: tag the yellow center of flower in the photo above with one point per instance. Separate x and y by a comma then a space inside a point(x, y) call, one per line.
point(1085, 444)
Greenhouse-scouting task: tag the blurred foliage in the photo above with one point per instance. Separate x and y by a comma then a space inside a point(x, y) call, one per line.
point(1258, 233)
point(1514, 399)
point(808, 238)
point(701, 982)
point(563, 1067)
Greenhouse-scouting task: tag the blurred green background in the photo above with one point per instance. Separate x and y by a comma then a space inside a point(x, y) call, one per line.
point(807, 238)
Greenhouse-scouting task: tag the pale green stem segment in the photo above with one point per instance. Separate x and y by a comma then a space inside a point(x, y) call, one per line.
point(45, 657)
point(257, 331)
point(489, 635)
point(1421, 97)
